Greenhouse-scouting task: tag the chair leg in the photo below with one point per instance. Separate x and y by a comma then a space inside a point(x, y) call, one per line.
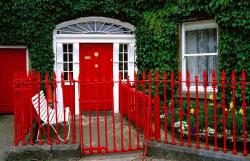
point(35, 131)
point(58, 133)
point(41, 127)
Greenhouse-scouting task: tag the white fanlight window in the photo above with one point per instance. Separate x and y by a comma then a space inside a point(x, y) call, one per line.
point(199, 50)
point(67, 61)
point(95, 26)
point(123, 61)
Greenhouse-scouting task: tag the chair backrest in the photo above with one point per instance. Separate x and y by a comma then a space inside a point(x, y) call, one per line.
point(42, 105)
point(52, 112)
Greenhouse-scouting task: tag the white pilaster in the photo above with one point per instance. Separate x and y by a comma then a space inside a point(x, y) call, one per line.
point(59, 70)
point(131, 61)
point(76, 74)
point(116, 76)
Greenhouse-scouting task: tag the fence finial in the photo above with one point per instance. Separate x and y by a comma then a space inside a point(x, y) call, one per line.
point(233, 79)
point(135, 78)
point(188, 79)
point(213, 79)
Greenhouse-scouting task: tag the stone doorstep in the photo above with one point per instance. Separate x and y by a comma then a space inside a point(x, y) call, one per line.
point(184, 153)
point(58, 151)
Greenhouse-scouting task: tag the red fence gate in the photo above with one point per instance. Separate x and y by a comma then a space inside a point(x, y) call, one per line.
point(102, 130)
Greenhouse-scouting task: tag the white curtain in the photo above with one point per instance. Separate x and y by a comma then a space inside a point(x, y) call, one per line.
point(201, 41)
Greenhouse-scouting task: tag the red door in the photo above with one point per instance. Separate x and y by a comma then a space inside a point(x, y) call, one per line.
point(12, 61)
point(96, 75)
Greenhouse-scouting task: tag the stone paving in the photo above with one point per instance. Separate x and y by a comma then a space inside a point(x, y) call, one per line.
point(111, 132)
point(6, 133)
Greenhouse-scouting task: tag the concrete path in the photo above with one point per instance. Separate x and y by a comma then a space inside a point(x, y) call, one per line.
point(111, 132)
point(6, 133)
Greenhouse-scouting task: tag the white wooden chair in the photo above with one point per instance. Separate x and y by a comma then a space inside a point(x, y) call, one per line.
point(52, 114)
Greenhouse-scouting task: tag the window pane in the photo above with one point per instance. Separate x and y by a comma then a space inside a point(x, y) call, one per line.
point(121, 74)
point(125, 75)
point(84, 26)
point(70, 49)
point(192, 66)
point(65, 48)
point(71, 75)
point(65, 66)
point(125, 66)
point(65, 57)
point(201, 41)
point(191, 42)
point(92, 25)
point(70, 66)
point(212, 65)
point(65, 75)
point(197, 64)
point(120, 66)
point(125, 57)
point(121, 48)
point(120, 57)
point(98, 26)
point(125, 48)
point(70, 57)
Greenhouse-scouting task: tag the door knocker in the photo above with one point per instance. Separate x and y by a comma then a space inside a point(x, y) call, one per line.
point(96, 54)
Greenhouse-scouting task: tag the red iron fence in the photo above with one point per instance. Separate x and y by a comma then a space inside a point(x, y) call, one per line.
point(41, 117)
point(191, 112)
point(208, 112)
point(36, 105)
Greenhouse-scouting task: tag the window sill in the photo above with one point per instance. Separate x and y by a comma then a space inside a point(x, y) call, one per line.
point(201, 92)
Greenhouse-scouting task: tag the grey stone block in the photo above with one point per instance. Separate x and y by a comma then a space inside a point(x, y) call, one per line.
point(66, 151)
point(17, 153)
point(183, 153)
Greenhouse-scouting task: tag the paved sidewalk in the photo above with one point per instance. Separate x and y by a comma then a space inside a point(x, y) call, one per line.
point(137, 156)
point(6, 133)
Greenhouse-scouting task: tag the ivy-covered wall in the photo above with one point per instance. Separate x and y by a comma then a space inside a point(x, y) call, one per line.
point(162, 28)
point(158, 35)
point(31, 23)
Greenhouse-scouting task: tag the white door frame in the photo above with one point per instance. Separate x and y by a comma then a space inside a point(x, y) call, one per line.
point(76, 39)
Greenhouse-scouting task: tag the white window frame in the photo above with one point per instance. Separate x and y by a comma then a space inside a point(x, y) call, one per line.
point(123, 60)
point(189, 26)
point(68, 62)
